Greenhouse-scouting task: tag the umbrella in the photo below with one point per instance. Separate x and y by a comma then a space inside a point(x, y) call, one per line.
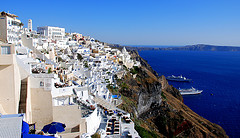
point(54, 127)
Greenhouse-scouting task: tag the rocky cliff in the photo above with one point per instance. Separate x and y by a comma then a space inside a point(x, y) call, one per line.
point(157, 108)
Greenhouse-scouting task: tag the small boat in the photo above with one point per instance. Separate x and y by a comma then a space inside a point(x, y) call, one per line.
point(178, 78)
point(190, 91)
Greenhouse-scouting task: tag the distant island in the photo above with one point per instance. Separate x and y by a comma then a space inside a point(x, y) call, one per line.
point(198, 47)
point(202, 47)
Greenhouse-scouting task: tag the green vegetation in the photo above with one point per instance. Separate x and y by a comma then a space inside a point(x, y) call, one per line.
point(109, 86)
point(49, 70)
point(128, 104)
point(96, 135)
point(138, 78)
point(79, 57)
point(85, 64)
point(60, 59)
point(134, 70)
point(97, 40)
point(35, 36)
point(125, 67)
point(117, 79)
point(163, 120)
point(21, 24)
point(124, 86)
point(113, 90)
point(163, 96)
point(145, 133)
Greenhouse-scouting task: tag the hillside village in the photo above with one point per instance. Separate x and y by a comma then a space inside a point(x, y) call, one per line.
point(49, 75)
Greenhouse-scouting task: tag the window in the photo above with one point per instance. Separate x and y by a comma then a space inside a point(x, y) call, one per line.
point(5, 50)
point(41, 83)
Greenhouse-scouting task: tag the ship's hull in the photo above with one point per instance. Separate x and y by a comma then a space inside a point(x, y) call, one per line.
point(179, 80)
point(191, 92)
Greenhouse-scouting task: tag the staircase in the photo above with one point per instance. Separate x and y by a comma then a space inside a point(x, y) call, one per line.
point(23, 97)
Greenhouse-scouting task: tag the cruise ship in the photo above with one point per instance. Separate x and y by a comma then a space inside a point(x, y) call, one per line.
point(190, 91)
point(178, 78)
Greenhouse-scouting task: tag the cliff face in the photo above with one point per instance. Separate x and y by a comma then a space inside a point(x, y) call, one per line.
point(144, 91)
point(157, 107)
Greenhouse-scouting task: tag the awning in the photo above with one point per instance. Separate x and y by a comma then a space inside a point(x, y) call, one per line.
point(35, 136)
point(25, 127)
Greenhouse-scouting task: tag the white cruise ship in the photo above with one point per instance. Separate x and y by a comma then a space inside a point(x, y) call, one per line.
point(190, 91)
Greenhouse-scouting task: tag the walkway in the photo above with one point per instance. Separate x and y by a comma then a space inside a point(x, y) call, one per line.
point(104, 103)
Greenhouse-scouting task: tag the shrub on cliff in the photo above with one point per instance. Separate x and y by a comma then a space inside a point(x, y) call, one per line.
point(96, 135)
point(145, 133)
point(134, 70)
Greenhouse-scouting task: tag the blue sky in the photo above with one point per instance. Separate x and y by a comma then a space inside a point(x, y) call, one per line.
point(138, 22)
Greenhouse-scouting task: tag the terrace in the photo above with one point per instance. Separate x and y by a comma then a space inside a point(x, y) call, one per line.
point(113, 126)
point(86, 108)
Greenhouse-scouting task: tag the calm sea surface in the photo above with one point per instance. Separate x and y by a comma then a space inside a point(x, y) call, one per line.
point(216, 73)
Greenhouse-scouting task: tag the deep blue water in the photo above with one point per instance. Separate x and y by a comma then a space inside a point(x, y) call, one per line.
point(216, 73)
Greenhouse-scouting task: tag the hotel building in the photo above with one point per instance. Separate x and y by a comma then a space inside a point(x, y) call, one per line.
point(54, 33)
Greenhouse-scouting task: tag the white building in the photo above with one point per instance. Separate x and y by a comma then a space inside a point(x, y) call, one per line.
point(54, 33)
point(29, 25)
point(126, 58)
point(9, 28)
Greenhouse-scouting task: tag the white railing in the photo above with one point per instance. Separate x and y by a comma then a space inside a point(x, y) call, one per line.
point(56, 92)
point(44, 75)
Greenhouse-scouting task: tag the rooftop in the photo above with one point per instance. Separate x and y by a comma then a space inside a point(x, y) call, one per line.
point(7, 14)
point(11, 125)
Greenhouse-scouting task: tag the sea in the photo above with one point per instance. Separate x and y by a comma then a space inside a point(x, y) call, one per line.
point(216, 73)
